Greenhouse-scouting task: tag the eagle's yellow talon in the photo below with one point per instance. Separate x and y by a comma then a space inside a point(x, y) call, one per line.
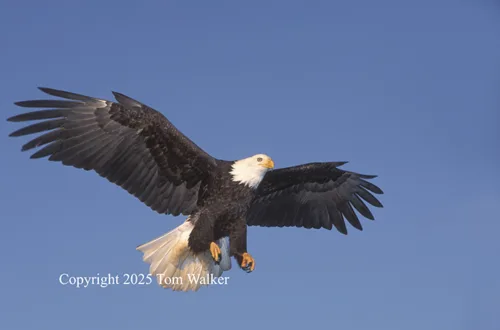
point(247, 262)
point(215, 251)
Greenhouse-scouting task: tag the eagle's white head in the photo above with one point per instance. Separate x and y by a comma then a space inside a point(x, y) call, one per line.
point(250, 171)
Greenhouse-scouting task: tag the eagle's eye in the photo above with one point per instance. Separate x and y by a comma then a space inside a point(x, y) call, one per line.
point(259, 159)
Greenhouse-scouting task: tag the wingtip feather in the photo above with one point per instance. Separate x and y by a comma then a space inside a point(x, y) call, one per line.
point(44, 89)
point(118, 96)
point(22, 104)
point(368, 176)
point(50, 91)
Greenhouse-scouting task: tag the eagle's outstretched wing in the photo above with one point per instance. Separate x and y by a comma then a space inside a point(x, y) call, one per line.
point(315, 195)
point(127, 142)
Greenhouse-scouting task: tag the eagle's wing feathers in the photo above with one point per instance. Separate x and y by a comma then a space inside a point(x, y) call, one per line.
point(126, 142)
point(315, 195)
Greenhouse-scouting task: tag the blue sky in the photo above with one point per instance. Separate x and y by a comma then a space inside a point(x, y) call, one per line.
point(406, 90)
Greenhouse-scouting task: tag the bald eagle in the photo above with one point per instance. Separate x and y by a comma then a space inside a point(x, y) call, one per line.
point(137, 148)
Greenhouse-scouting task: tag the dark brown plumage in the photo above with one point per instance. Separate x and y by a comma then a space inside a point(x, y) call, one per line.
point(128, 143)
point(315, 195)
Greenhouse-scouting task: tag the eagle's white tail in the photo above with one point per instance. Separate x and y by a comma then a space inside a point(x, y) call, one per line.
point(175, 266)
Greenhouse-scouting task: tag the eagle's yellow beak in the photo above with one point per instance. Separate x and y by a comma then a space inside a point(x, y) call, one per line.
point(268, 163)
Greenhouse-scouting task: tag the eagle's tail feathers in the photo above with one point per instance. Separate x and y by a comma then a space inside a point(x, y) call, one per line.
point(175, 266)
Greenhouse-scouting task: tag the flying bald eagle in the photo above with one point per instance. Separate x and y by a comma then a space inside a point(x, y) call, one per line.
point(137, 148)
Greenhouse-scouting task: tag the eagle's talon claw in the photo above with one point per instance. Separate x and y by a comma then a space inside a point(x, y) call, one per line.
point(247, 262)
point(215, 252)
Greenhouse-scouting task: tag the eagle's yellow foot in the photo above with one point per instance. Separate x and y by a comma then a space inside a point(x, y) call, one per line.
point(247, 262)
point(215, 251)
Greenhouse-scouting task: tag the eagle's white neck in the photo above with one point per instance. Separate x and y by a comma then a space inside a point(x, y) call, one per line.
point(248, 173)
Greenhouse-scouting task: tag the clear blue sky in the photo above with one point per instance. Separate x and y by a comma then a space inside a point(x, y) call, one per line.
point(408, 90)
